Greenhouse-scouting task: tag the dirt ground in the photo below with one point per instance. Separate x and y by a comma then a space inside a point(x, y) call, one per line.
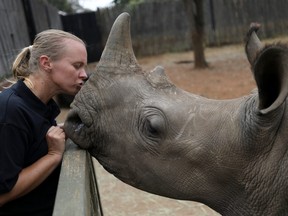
point(228, 76)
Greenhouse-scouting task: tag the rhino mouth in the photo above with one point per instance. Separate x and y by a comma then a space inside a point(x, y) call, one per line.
point(76, 127)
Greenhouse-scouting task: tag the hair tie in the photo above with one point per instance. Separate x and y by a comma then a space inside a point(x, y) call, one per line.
point(30, 48)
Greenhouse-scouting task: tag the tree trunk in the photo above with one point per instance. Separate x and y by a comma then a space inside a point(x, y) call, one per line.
point(195, 14)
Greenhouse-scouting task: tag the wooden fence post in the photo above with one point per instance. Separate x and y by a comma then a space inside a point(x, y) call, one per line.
point(77, 192)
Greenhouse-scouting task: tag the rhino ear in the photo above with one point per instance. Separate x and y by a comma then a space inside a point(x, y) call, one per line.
point(118, 51)
point(271, 75)
point(253, 44)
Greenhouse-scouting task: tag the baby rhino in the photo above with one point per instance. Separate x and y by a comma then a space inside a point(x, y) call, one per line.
point(231, 155)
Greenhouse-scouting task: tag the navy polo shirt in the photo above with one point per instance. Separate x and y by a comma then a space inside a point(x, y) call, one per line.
point(24, 122)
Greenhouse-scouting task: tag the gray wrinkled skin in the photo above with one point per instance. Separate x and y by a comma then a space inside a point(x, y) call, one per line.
point(228, 154)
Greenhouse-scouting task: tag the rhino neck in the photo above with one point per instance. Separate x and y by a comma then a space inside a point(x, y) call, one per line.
point(220, 128)
point(264, 152)
point(239, 141)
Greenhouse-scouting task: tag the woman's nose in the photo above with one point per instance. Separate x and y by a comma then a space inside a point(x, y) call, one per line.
point(83, 75)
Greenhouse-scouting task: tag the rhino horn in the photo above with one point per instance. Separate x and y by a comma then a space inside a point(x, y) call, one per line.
point(118, 51)
point(253, 44)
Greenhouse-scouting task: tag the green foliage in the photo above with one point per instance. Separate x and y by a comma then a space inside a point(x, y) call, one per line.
point(131, 3)
point(128, 2)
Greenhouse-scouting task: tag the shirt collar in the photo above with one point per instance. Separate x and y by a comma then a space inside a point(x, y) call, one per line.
point(49, 111)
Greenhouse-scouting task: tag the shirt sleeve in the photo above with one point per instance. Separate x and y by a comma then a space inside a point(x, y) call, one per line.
point(13, 145)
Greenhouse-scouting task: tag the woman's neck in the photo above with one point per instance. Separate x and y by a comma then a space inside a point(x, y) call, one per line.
point(40, 87)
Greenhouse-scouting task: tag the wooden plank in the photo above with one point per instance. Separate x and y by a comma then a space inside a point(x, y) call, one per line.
point(14, 33)
point(77, 192)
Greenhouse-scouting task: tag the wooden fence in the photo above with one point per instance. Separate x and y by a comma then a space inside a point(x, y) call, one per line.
point(20, 20)
point(162, 26)
point(77, 192)
point(13, 33)
point(42, 15)
point(85, 26)
point(156, 27)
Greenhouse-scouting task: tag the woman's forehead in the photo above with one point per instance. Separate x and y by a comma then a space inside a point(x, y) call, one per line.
point(75, 49)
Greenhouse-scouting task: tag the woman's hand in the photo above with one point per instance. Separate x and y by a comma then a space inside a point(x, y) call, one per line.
point(56, 140)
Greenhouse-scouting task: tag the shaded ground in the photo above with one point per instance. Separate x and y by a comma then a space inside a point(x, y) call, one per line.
point(227, 77)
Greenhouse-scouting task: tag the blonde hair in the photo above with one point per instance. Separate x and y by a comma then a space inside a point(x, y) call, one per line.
point(49, 43)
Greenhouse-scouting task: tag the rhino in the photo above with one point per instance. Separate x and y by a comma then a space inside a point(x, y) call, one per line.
point(231, 155)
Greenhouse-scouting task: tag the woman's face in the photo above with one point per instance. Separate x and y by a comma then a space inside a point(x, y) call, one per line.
point(68, 72)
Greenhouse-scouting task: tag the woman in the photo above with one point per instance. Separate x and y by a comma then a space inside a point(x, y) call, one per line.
point(31, 143)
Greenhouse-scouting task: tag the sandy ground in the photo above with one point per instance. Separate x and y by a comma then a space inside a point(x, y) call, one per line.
point(228, 76)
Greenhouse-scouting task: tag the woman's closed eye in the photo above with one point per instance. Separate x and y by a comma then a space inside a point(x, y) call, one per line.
point(78, 65)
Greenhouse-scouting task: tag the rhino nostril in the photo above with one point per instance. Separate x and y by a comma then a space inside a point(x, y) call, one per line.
point(74, 121)
point(79, 127)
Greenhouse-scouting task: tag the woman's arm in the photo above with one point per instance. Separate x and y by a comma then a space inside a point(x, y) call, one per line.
point(32, 176)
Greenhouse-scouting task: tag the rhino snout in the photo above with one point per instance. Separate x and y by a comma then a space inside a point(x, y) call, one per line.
point(76, 129)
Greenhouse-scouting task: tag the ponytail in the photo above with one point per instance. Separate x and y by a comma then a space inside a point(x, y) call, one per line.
point(20, 66)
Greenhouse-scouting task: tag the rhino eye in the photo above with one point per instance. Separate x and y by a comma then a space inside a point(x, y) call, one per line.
point(152, 124)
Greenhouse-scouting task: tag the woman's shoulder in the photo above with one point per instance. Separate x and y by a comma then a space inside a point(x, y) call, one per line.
point(11, 105)
point(9, 97)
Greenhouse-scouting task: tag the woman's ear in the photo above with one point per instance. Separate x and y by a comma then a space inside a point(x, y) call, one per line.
point(45, 62)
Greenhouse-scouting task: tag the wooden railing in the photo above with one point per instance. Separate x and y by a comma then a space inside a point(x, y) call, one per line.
point(77, 193)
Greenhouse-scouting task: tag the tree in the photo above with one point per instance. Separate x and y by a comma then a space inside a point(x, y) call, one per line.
point(195, 14)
